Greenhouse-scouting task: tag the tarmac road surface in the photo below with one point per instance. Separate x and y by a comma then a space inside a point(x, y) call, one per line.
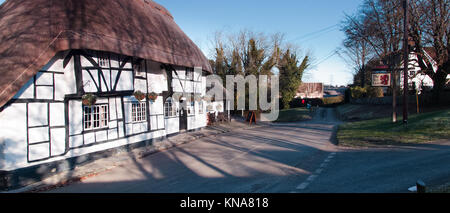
point(286, 158)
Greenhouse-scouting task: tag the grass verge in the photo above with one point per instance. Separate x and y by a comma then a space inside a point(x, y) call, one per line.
point(421, 128)
point(445, 188)
point(294, 115)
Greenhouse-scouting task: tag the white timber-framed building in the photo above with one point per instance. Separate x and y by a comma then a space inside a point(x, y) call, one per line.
point(110, 49)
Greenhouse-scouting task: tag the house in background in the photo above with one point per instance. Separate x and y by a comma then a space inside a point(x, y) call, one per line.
point(310, 91)
point(54, 54)
point(418, 80)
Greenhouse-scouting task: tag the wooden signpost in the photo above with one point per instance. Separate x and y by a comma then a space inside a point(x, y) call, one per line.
point(251, 117)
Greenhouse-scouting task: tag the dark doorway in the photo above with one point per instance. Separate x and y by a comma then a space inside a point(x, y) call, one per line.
point(183, 115)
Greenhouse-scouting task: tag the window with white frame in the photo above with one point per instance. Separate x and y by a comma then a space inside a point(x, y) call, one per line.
point(138, 112)
point(103, 60)
point(95, 117)
point(170, 109)
point(189, 74)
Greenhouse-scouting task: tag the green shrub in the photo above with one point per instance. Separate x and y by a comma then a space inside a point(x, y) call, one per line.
point(333, 100)
point(358, 92)
point(375, 92)
point(366, 92)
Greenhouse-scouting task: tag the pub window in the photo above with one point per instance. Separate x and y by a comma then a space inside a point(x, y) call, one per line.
point(189, 74)
point(200, 107)
point(169, 108)
point(103, 60)
point(139, 69)
point(139, 112)
point(95, 117)
point(190, 108)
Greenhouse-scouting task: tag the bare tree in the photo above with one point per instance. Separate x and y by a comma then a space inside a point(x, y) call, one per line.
point(430, 28)
point(379, 24)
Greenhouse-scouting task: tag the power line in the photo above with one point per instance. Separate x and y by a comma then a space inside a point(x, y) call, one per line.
point(317, 33)
point(333, 53)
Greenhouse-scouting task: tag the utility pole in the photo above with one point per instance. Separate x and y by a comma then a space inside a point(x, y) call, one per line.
point(405, 63)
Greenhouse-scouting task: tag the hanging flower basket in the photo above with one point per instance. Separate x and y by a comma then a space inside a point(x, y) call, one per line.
point(152, 96)
point(209, 108)
point(89, 99)
point(207, 98)
point(139, 95)
point(219, 107)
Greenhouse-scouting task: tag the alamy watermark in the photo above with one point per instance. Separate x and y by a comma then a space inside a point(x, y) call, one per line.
point(263, 93)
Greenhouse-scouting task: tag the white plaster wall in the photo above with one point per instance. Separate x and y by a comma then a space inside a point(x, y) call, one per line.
point(39, 134)
point(157, 83)
point(43, 79)
point(39, 151)
point(56, 63)
point(198, 120)
point(201, 118)
point(156, 77)
point(75, 117)
point(58, 141)
point(44, 93)
point(106, 83)
point(125, 81)
point(157, 110)
point(13, 136)
point(37, 114)
point(141, 85)
point(89, 84)
point(85, 62)
point(203, 86)
point(27, 91)
point(177, 85)
point(172, 125)
point(65, 84)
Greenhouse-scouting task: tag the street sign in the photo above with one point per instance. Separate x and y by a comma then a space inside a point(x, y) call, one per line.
point(381, 79)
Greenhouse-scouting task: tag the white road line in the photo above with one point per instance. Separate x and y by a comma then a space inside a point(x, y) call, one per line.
point(412, 189)
point(311, 178)
point(303, 186)
point(316, 174)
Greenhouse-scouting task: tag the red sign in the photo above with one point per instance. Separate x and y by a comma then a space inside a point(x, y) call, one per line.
point(381, 80)
point(381, 67)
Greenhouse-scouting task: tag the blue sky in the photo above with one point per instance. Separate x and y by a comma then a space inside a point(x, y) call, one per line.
point(294, 18)
point(200, 19)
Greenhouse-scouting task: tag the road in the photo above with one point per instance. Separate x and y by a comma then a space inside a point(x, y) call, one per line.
point(286, 158)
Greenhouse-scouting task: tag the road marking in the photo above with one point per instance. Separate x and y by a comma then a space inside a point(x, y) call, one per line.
point(412, 189)
point(303, 186)
point(316, 174)
point(312, 177)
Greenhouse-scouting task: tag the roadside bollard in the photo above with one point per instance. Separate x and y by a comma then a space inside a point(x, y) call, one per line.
point(421, 187)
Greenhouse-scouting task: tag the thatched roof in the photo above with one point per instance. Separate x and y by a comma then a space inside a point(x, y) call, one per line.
point(33, 31)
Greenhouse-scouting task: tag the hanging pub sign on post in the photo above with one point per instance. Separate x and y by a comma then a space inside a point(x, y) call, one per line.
point(381, 77)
